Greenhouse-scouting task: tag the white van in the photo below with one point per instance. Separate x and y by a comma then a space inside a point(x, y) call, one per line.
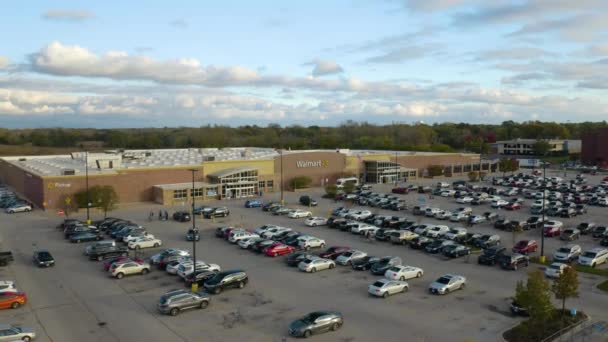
point(593, 257)
point(341, 181)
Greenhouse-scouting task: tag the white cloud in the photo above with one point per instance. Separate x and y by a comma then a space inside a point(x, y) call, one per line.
point(68, 15)
point(180, 23)
point(512, 53)
point(325, 67)
point(4, 61)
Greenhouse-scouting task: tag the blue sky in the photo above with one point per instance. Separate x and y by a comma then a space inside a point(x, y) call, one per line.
point(190, 63)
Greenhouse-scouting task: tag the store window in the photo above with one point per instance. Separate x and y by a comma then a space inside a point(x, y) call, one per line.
point(196, 192)
point(261, 184)
point(177, 194)
point(269, 184)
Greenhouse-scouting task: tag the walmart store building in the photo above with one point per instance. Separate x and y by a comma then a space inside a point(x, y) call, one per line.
point(165, 176)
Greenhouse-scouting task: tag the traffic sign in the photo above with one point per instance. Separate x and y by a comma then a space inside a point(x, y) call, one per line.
point(68, 200)
point(60, 212)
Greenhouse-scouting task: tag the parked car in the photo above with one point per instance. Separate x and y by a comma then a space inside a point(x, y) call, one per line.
point(349, 256)
point(226, 279)
point(308, 242)
point(380, 267)
point(43, 258)
point(586, 227)
point(447, 283)
point(420, 242)
point(253, 204)
point(437, 246)
point(312, 265)
point(487, 240)
point(315, 323)
point(193, 235)
point(315, 221)
point(277, 249)
point(513, 261)
point(456, 250)
point(570, 234)
point(456, 233)
point(299, 213)
point(567, 253)
point(385, 287)
point(85, 237)
point(181, 216)
point(217, 212)
point(108, 251)
point(333, 252)
point(593, 257)
point(599, 232)
point(402, 236)
point(10, 332)
point(402, 272)
point(295, 258)
point(18, 208)
point(176, 301)
point(518, 310)
point(525, 246)
point(145, 242)
point(490, 255)
point(308, 201)
point(119, 270)
point(199, 277)
point(364, 264)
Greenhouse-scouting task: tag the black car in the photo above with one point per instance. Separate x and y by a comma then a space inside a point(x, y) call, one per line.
point(336, 222)
point(193, 235)
point(365, 263)
point(316, 323)
point(518, 310)
point(599, 232)
point(513, 261)
point(381, 235)
point(455, 251)
point(109, 251)
point(259, 246)
point(420, 242)
point(181, 216)
point(43, 258)
point(435, 246)
point(490, 255)
point(293, 259)
point(291, 240)
point(199, 277)
point(468, 238)
point(226, 279)
point(501, 223)
point(308, 201)
point(217, 212)
point(69, 231)
point(380, 267)
point(487, 241)
point(85, 237)
point(270, 205)
point(604, 242)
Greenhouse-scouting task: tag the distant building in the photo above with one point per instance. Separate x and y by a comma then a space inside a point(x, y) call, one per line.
point(525, 147)
point(595, 148)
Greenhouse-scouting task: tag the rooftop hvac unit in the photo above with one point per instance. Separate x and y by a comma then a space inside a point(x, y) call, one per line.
point(22, 159)
point(68, 172)
point(208, 158)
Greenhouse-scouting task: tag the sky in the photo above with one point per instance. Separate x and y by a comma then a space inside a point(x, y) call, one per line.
point(113, 64)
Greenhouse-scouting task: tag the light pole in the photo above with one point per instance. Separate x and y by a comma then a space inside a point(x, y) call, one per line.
point(281, 151)
point(542, 232)
point(86, 172)
point(194, 234)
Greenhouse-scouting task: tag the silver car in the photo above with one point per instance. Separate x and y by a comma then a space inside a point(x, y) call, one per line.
point(316, 264)
point(175, 301)
point(17, 208)
point(447, 283)
point(385, 287)
point(13, 333)
point(350, 256)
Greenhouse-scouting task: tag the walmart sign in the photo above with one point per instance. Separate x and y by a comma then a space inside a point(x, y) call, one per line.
point(311, 163)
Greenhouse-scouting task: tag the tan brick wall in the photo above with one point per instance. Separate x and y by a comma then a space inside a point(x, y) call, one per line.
point(332, 168)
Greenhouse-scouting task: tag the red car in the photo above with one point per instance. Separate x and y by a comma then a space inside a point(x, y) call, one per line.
point(108, 263)
point(277, 249)
point(525, 247)
point(334, 252)
point(552, 231)
point(513, 206)
point(12, 300)
point(400, 190)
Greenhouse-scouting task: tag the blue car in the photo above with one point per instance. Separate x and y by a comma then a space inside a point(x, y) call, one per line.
point(253, 204)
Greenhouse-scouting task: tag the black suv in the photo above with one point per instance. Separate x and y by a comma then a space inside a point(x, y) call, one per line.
point(226, 279)
point(193, 235)
point(513, 261)
point(217, 212)
point(199, 277)
point(490, 255)
point(181, 216)
point(308, 201)
point(43, 258)
point(384, 264)
point(105, 252)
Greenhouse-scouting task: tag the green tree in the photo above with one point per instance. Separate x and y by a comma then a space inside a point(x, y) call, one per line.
point(566, 286)
point(301, 182)
point(331, 190)
point(107, 199)
point(349, 187)
point(473, 176)
point(435, 170)
point(535, 296)
point(541, 147)
point(67, 204)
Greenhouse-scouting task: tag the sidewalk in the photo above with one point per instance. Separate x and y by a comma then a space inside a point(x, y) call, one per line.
point(594, 332)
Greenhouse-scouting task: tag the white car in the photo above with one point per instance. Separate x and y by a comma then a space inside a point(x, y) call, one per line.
point(422, 229)
point(173, 266)
point(156, 258)
point(264, 228)
point(247, 243)
point(242, 235)
point(464, 200)
point(299, 213)
point(270, 233)
point(555, 270)
point(308, 242)
point(458, 217)
point(443, 215)
point(437, 231)
point(8, 286)
point(186, 268)
point(447, 283)
point(364, 229)
point(313, 265)
point(554, 224)
point(385, 287)
point(315, 221)
point(119, 270)
point(359, 215)
point(431, 212)
point(456, 233)
point(499, 203)
point(135, 236)
point(475, 219)
point(403, 272)
point(22, 207)
point(448, 193)
point(593, 257)
point(145, 242)
point(348, 257)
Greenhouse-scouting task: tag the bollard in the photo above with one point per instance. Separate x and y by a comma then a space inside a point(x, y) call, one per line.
point(542, 259)
point(195, 287)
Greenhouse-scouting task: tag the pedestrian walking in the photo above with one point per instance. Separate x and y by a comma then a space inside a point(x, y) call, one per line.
point(160, 215)
point(151, 216)
point(166, 215)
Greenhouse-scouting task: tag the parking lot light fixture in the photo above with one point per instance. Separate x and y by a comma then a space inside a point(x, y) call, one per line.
point(542, 233)
point(194, 284)
point(86, 172)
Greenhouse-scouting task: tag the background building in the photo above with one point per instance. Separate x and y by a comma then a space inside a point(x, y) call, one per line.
point(595, 148)
point(526, 146)
point(165, 176)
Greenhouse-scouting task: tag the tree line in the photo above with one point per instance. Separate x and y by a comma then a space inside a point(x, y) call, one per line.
point(443, 137)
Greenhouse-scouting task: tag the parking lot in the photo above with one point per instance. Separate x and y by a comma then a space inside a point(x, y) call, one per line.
point(76, 300)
